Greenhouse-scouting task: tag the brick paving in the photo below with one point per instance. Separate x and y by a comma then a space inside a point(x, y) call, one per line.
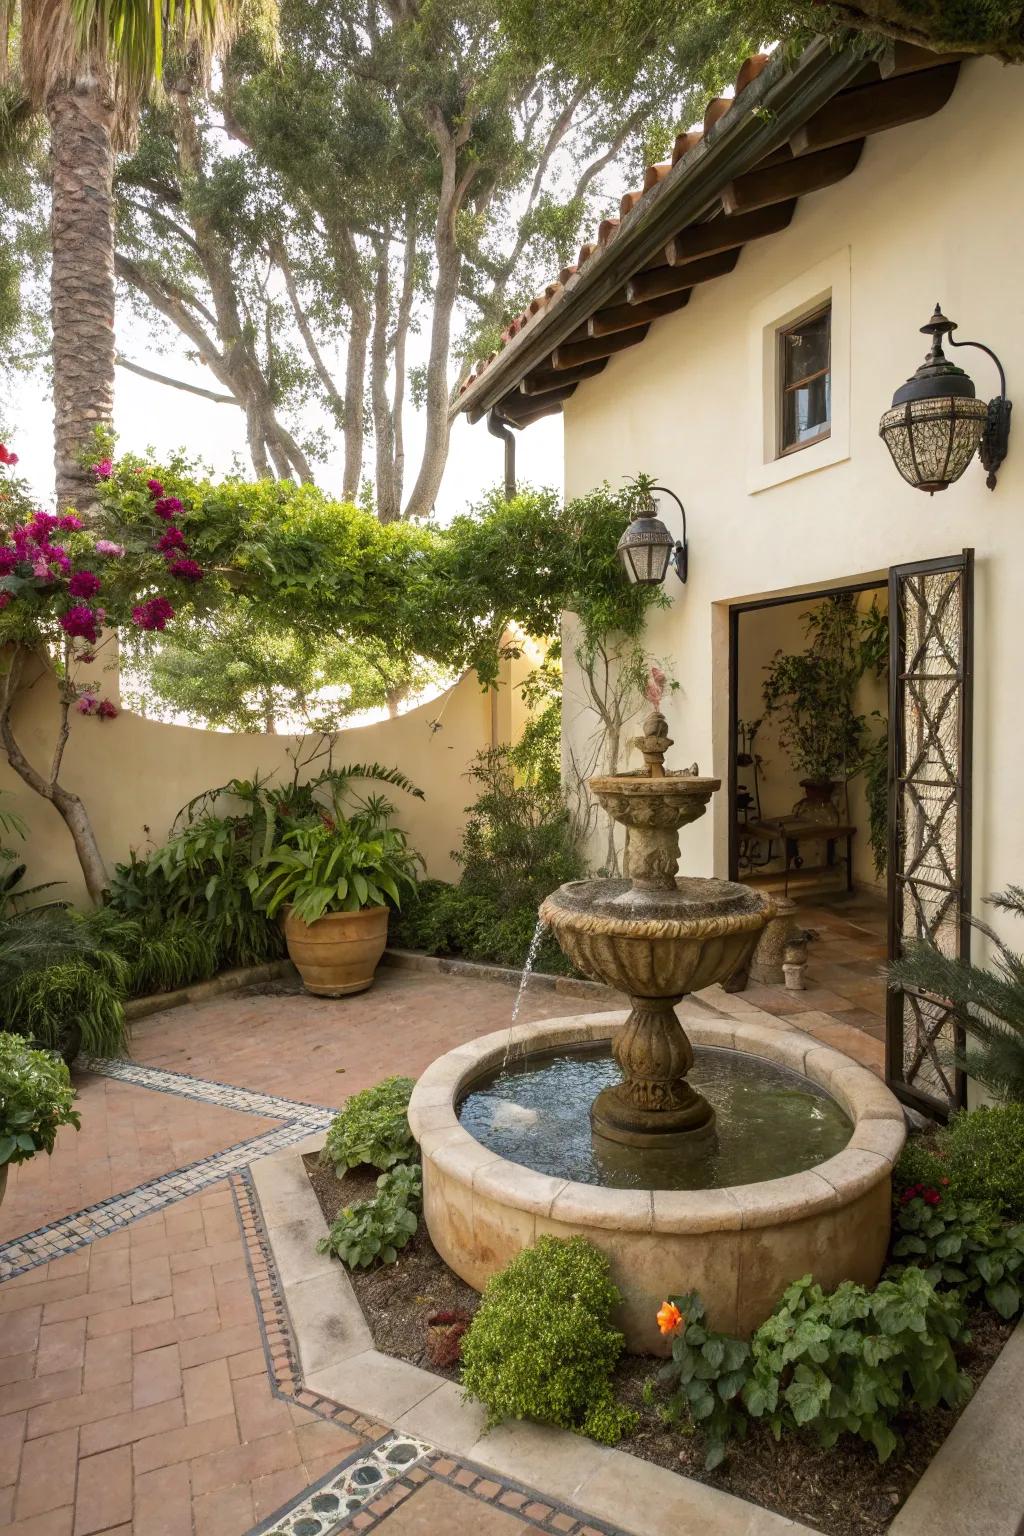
point(134, 1387)
point(147, 1384)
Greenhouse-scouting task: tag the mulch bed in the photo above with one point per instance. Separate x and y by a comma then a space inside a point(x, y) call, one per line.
point(842, 1492)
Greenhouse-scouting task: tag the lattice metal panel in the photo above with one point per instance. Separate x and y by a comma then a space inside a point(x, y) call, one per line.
point(929, 809)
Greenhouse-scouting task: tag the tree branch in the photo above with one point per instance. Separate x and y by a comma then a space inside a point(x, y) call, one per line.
point(162, 378)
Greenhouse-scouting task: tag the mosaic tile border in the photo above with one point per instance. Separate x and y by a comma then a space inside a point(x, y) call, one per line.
point(538, 1511)
point(330, 1504)
point(69, 1233)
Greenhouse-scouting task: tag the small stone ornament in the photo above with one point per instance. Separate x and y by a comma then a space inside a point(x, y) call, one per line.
point(654, 743)
point(794, 964)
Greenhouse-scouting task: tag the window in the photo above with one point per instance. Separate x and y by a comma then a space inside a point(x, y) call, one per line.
point(805, 381)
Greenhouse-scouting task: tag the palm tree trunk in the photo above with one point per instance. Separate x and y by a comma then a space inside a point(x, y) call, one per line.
point(82, 279)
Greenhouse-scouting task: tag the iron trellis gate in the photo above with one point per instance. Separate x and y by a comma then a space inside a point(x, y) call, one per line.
point(930, 706)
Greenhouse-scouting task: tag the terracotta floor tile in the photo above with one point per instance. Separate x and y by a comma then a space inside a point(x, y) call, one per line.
point(135, 1424)
point(193, 1440)
point(437, 1507)
point(104, 1494)
point(207, 1390)
point(243, 1463)
point(156, 1376)
point(224, 1512)
point(61, 1346)
point(47, 1475)
point(163, 1503)
point(86, 1408)
point(12, 1438)
point(108, 1361)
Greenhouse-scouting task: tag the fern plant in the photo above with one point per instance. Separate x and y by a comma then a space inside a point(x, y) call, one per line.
point(987, 1002)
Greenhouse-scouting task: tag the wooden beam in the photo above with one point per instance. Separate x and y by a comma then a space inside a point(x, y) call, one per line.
point(516, 404)
point(874, 108)
point(536, 410)
point(622, 317)
point(545, 379)
point(793, 178)
point(571, 355)
point(906, 58)
point(653, 285)
point(725, 233)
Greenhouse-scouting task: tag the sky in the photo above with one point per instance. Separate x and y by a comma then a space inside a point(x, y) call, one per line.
point(152, 415)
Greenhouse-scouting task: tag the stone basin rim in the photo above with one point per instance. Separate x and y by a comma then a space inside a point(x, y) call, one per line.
point(878, 1134)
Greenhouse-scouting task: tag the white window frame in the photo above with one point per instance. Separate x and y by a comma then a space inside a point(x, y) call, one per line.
point(826, 283)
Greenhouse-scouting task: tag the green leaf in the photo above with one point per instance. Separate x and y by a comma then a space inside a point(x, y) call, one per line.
point(1004, 1298)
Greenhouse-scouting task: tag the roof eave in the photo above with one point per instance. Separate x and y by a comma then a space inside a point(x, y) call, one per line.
point(770, 109)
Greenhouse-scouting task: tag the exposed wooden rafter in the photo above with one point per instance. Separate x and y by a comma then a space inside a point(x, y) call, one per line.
point(875, 108)
point(545, 379)
point(571, 354)
point(793, 178)
point(661, 280)
point(623, 317)
point(726, 232)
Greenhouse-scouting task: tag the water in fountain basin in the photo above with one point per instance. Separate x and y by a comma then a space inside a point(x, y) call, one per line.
point(770, 1122)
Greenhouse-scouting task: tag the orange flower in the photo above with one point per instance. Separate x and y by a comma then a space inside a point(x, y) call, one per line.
point(669, 1317)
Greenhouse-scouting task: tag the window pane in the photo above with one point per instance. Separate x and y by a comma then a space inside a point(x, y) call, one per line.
point(805, 348)
point(806, 411)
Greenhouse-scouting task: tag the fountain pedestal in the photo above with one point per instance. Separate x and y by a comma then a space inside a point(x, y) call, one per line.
point(657, 937)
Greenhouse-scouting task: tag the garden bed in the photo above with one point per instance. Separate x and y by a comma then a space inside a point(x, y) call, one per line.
point(841, 1492)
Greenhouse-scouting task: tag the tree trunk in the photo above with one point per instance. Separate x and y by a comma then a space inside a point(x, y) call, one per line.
point(355, 371)
point(82, 281)
point(388, 510)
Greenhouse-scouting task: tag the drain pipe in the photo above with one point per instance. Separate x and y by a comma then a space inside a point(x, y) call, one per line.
point(497, 426)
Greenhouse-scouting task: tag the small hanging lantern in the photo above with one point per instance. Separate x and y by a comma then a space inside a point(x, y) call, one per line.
point(937, 423)
point(647, 547)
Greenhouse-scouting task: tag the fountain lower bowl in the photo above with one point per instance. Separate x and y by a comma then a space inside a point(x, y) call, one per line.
point(740, 1246)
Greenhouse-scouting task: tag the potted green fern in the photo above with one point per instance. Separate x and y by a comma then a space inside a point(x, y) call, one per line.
point(332, 881)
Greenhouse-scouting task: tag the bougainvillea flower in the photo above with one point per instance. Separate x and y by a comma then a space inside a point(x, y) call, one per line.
point(84, 584)
point(172, 539)
point(186, 570)
point(669, 1317)
point(86, 704)
point(107, 710)
point(41, 568)
point(82, 622)
point(69, 522)
point(103, 470)
point(167, 507)
point(6, 456)
point(41, 524)
point(109, 548)
point(5, 598)
point(154, 488)
point(152, 614)
point(8, 559)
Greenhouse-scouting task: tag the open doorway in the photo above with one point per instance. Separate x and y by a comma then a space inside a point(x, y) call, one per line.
point(808, 783)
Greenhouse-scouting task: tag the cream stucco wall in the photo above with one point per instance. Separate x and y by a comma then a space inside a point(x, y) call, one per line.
point(930, 213)
point(134, 774)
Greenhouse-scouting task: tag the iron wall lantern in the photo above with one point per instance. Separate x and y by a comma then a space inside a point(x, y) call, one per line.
point(646, 548)
point(936, 423)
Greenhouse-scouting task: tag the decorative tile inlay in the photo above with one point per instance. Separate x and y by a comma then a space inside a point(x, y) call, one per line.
point(70, 1232)
point(342, 1493)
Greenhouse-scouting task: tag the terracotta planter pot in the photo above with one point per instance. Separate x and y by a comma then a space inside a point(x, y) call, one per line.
point(339, 953)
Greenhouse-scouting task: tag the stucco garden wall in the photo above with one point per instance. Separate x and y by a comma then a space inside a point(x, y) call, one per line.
point(930, 213)
point(135, 774)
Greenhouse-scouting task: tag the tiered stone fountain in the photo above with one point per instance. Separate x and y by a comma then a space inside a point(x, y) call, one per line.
point(501, 1121)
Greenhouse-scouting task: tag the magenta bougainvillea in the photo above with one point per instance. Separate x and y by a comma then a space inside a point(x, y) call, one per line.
point(61, 587)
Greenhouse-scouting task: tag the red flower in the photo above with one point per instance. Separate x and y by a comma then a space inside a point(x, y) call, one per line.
point(84, 584)
point(107, 710)
point(83, 622)
point(6, 456)
point(155, 488)
point(186, 570)
point(172, 539)
point(152, 614)
point(167, 507)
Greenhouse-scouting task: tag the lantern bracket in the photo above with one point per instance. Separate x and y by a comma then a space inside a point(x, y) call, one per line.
point(995, 439)
point(679, 558)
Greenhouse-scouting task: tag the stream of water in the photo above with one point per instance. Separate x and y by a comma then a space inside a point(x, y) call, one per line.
point(531, 960)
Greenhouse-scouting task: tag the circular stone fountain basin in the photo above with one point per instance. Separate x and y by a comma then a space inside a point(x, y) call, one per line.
point(739, 1245)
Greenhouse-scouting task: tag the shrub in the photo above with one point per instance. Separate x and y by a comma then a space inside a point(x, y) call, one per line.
point(919, 1163)
point(376, 1229)
point(852, 1361)
point(159, 956)
point(709, 1370)
point(372, 1128)
point(518, 846)
point(36, 1099)
point(59, 985)
point(542, 1345)
point(984, 1152)
point(962, 1246)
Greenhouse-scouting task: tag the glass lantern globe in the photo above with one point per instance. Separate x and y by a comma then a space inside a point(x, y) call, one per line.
point(935, 423)
point(646, 547)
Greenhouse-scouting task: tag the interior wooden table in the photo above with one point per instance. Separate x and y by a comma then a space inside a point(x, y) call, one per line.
point(792, 831)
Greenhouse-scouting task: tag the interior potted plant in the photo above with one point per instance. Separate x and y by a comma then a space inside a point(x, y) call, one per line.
point(332, 879)
point(36, 1099)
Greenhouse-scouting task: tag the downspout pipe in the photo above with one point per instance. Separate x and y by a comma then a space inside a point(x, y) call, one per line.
point(497, 426)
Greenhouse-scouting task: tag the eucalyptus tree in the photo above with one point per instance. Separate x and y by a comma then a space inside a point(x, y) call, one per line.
point(86, 65)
